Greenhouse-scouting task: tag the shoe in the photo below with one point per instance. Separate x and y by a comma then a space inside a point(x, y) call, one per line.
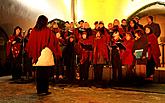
point(149, 78)
point(43, 94)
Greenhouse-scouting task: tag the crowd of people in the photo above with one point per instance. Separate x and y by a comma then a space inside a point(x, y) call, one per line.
point(69, 52)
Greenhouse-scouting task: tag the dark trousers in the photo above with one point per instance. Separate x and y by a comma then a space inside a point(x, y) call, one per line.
point(70, 72)
point(98, 71)
point(116, 65)
point(150, 67)
point(16, 68)
point(42, 79)
point(59, 68)
point(84, 70)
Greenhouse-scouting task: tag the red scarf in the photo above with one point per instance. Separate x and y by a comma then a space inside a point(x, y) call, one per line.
point(38, 40)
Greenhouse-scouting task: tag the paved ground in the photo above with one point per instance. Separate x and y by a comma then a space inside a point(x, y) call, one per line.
point(26, 93)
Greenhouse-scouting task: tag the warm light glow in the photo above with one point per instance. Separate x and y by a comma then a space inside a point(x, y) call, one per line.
point(88, 10)
point(51, 8)
point(108, 10)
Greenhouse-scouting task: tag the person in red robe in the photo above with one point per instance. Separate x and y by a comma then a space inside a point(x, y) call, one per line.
point(85, 47)
point(115, 56)
point(42, 47)
point(14, 52)
point(127, 56)
point(100, 54)
point(153, 53)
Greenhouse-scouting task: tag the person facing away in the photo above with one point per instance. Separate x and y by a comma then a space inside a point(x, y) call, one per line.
point(42, 47)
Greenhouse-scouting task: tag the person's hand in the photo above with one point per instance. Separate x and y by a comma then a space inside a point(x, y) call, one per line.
point(134, 53)
point(143, 57)
point(13, 42)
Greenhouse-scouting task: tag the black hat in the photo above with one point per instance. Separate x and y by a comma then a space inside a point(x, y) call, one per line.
point(81, 21)
point(101, 22)
point(96, 22)
point(67, 22)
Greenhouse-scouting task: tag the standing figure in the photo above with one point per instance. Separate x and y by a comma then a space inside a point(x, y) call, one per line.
point(127, 56)
point(28, 72)
point(100, 55)
point(153, 53)
point(85, 55)
point(140, 54)
point(42, 47)
point(154, 26)
point(14, 52)
point(115, 57)
point(69, 58)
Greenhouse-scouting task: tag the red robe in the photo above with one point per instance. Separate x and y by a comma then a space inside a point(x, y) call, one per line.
point(153, 49)
point(127, 56)
point(85, 54)
point(38, 40)
point(14, 48)
point(101, 50)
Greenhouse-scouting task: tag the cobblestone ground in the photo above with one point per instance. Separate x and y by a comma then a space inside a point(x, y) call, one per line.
point(26, 93)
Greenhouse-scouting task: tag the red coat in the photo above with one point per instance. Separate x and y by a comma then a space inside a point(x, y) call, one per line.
point(127, 56)
point(85, 54)
point(153, 49)
point(100, 52)
point(38, 40)
point(14, 46)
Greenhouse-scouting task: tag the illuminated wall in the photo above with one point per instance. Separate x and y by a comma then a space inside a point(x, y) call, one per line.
point(88, 10)
point(108, 10)
point(51, 8)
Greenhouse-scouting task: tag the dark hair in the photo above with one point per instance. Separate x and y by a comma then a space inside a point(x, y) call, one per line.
point(140, 32)
point(66, 22)
point(101, 23)
point(81, 21)
point(135, 25)
point(17, 27)
point(41, 22)
point(151, 31)
point(151, 17)
point(123, 20)
point(28, 33)
point(96, 22)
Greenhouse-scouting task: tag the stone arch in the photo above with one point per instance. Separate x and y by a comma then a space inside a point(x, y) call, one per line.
point(150, 9)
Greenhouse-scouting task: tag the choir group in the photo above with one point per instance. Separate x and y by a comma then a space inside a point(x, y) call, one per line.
point(70, 52)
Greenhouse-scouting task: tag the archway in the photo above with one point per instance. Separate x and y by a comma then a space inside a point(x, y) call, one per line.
point(3, 40)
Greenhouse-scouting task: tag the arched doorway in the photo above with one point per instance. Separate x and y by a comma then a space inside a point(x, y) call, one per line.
point(3, 40)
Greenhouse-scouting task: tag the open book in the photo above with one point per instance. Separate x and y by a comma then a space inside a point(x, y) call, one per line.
point(120, 45)
point(138, 53)
point(87, 47)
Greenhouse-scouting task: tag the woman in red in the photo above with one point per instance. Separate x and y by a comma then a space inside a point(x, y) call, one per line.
point(153, 53)
point(85, 55)
point(127, 57)
point(41, 47)
point(14, 52)
point(100, 54)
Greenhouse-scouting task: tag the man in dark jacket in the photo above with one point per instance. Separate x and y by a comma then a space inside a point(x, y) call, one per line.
point(154, 26)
